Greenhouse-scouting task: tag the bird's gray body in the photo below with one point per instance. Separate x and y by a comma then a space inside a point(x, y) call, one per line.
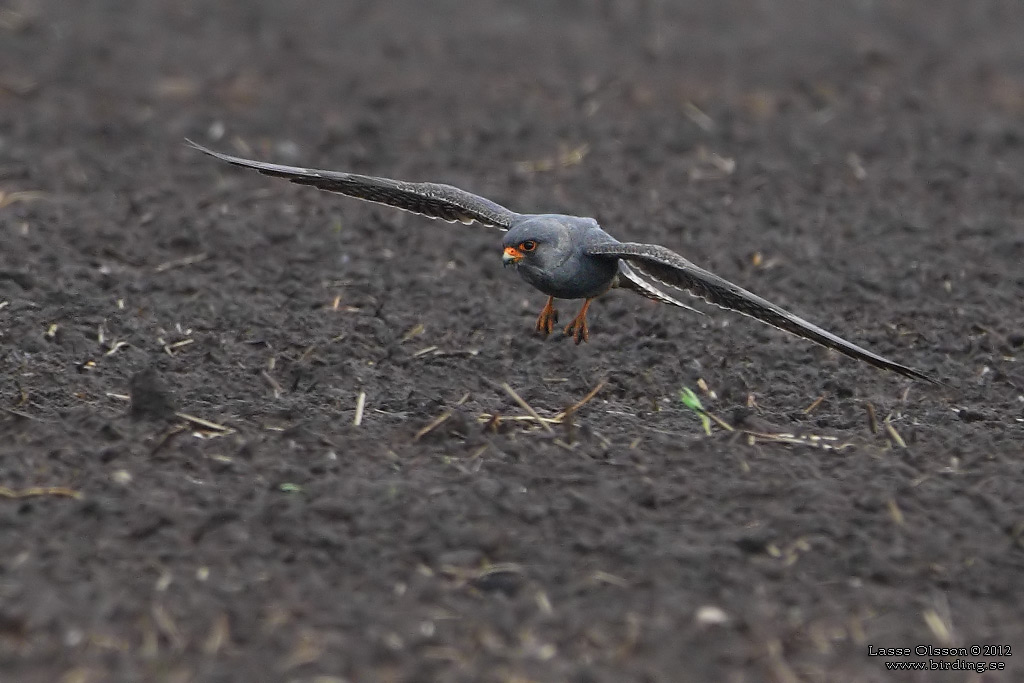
point(561, 266)
point(569, 257)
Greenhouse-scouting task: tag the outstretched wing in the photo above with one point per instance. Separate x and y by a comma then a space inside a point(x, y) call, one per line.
point(627, 279)
point(672, 269)
point(427, 199)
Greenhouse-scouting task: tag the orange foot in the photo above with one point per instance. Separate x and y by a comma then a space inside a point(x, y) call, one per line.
point(577, 329)
point(547, 318)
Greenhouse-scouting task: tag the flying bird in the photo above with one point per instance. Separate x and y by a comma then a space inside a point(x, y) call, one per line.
point(568, 257)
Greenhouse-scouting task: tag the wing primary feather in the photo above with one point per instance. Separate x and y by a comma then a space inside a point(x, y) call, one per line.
point(433, 200)
point(671, 269)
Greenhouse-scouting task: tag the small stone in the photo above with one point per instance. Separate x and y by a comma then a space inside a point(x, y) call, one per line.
point(709, 615)
point(149, 395)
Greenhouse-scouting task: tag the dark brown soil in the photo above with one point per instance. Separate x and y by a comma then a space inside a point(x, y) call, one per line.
point(861, 163)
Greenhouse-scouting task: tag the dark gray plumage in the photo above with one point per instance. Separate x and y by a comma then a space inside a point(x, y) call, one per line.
point(569, 257)
point(560, 265)
point(428, 199)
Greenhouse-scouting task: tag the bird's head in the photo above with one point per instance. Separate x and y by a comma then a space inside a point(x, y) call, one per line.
point(540, 243)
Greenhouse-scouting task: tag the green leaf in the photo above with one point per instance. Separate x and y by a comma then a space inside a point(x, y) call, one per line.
point(690, 400)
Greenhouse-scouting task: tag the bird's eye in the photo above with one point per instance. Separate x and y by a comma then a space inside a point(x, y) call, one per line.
point(528, 245)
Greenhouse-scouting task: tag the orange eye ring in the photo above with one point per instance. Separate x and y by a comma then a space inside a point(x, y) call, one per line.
point(528, 245)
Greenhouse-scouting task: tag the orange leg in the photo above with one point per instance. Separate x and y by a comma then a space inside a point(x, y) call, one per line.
point(547, 318)
point(577, 329)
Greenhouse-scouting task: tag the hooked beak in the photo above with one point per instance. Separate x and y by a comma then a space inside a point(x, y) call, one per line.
point(511, 256)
